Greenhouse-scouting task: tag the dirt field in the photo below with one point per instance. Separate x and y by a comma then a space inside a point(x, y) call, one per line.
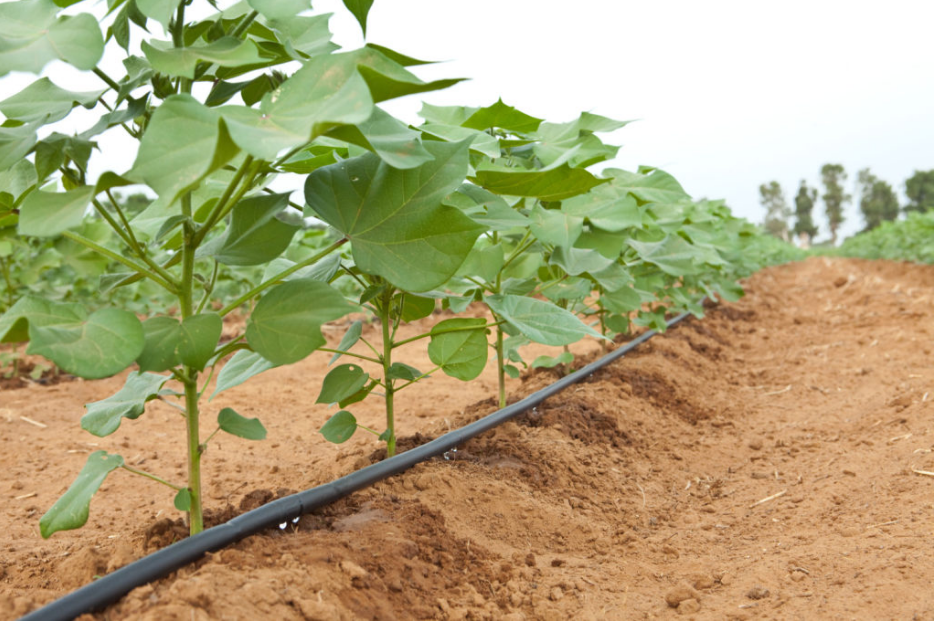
point(771, 461)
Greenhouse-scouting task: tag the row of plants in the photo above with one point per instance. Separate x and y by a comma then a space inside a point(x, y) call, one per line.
point(482, 205)
point(911, 239)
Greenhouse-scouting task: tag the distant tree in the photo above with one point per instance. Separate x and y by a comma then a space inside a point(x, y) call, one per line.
point(777, 211)
point(805, 228)
point(833, 176)
point(920, 190)
point(877, 199)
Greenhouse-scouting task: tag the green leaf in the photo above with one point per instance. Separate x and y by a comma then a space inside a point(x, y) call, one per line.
point(574, 142)
point(547, 362)
point(656, 187)
point(241, 367)
point(512, 371)
point(182, 500)
point(44, 101)
point(184, 143)
point(402, 371)
point(160, 352)
point(198, 336)
point(612, 277)
point(576, 261)
point(547, 185)
point(325, 92)
point(386, 78)
point(392, 140)
point(480, 142)
point(31, 35)
point(625, 299)
point(397, 223)
point(504, 117)
point(485, 262)
point(255, 236)
point(104, 344)
point(342, 382)
point(323, 270)
point(303, 36)
point(339, 427)
point(279, 9)
point(16, 143)
point(18, 179)
point(673, 255)
point(240, 426)
point(159, 10)
point(349, 339)
point(606, 207)
point(286, 324)
point(541, 321)
point(181, 61)
point(459, 354)
point(47, 214)
point(415, 307)
point(360, 395)
point(72, 509)
point(360, 10)
point(555, 227)
point(104, 417)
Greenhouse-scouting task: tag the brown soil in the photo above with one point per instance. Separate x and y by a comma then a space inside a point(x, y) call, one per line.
point(771, 461)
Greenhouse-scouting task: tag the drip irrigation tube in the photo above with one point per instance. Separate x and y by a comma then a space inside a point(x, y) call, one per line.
point(112, 587)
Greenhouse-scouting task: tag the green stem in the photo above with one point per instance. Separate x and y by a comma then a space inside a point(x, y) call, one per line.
point(349, 353)
point(603, 343)
point(5, 268)
point(224, 203)
point(243, 25)
point(419, 378)
point(437, 332)
point(283, 274)
point(196, 517)
point(386, 321)
point(107, 79)
point(139, 269)
point(232, 346)
point(365, 428)
point(208, 288)
point(148, 475)
point(500, 367)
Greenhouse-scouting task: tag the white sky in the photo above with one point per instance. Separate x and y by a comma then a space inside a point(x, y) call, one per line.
point(728, 94)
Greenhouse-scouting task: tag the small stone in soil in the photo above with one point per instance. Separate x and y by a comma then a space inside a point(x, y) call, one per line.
point(758, 592)
point(682, 592)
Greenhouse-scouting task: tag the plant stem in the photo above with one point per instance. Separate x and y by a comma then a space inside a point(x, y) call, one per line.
point(603, 343)
point(386, 321)
point(252, 293)
point(107, 79)
point(437, 332)
point(420, 377)
point(224, 203)
point(139, 269)
point(5, 268)
point(500, 367)
point(148, 475)
point(349, 353)
point(195, 515)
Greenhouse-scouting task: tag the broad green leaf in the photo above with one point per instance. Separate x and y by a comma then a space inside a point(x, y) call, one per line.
point(386, 78)
point(44, 101)
point(241, 367)
point(480, 142)
point(446, 115)
point(392, 140)
point(576, 261)
point(608, 244)
point(459, 354)
point(349, 339)
point(398, 226)
point(160, 352)
point(255, 236)
point(31, 35)
point(184, 142)
point(541, 321)
point(612, 277)
point(104, 417)
point(325, 92)
point(673, 255)
point(72, 509)
point(47, 214)
point(19, 178)
point(181, 61)
point(323, 270)
point(568, 288)
point(656, 187)
point(553, 226)
point(182, 500)
point(547, 185)
point(504, 117)
point(574, 142)
point(90, 347)
point(16, 143)
point(625, 299)
point(339, 427)
point(402, 371)
point(414, 307)
point(360, 10)
point(485, 262)
point(159, 10)
point(512, 371)
point(240, 426)
point(547, 362)
point(303, 36)
point(606, 207)
point(198, 336)
point(341, 382)
point(286, 324)
point(279, 9)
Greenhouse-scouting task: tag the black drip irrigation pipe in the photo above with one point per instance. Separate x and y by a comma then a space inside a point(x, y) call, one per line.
point(110, 588)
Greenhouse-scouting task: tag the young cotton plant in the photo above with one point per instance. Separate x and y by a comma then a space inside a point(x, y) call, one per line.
point(217, 117)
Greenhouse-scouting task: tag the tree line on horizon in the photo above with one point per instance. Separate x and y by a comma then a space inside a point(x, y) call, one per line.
point(878, 202)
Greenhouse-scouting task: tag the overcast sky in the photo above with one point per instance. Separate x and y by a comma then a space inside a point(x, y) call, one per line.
point(727, 95)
